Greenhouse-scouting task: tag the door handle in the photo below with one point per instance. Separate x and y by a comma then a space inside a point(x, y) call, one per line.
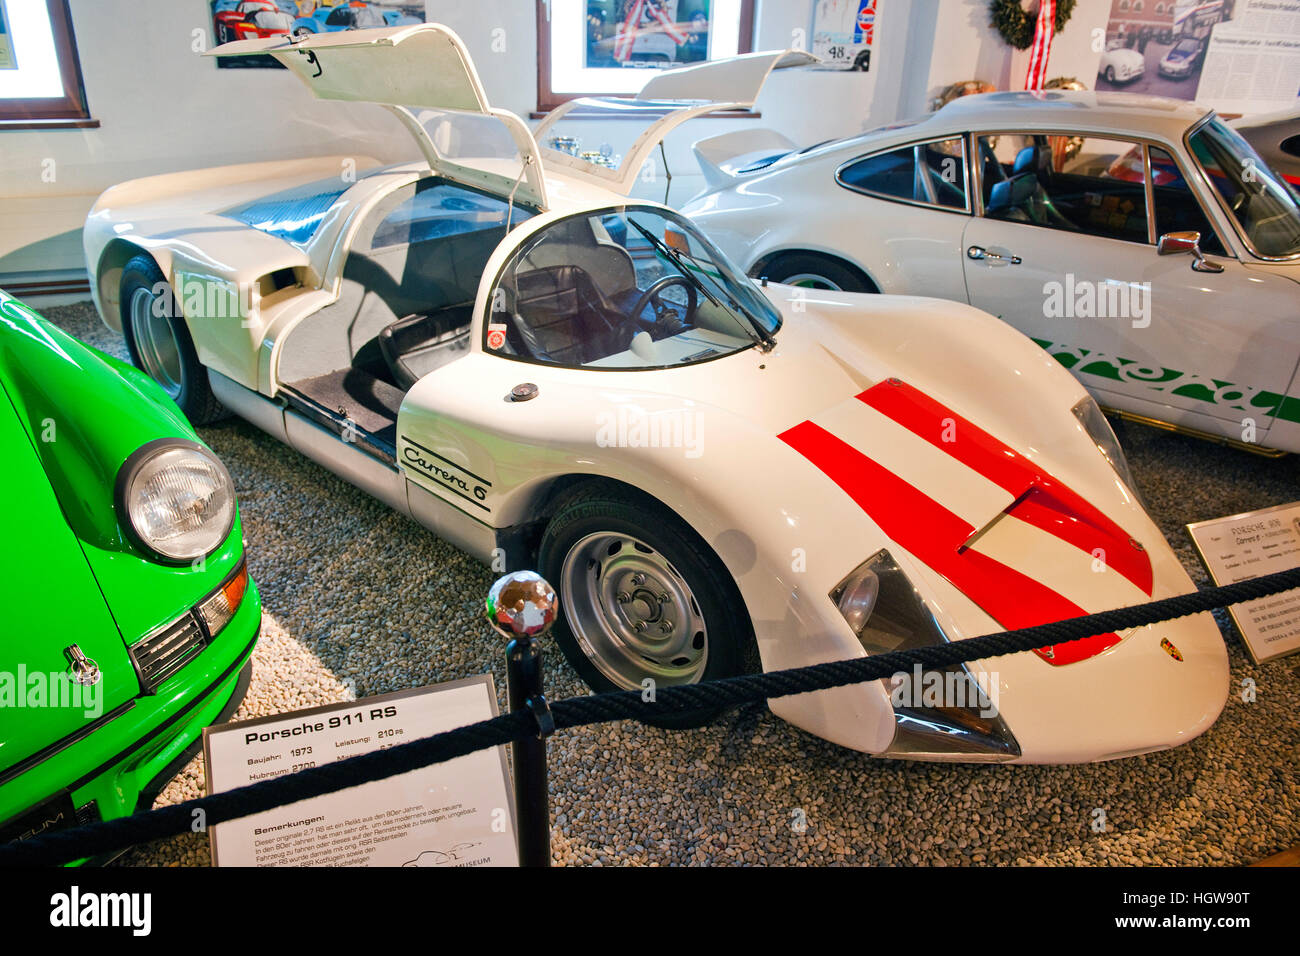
point(979, 252)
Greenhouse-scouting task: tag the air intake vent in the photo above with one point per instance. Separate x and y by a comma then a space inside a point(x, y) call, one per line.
point(164, 652)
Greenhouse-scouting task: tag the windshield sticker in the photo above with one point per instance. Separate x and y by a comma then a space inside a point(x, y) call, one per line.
point(496, 335)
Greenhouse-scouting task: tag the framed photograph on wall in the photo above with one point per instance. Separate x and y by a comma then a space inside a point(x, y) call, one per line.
point(259, 19)
point(612, 47)
point(842, 33)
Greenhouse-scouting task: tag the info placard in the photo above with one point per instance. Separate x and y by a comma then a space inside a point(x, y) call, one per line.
point(1246, 546)
point(457, 813)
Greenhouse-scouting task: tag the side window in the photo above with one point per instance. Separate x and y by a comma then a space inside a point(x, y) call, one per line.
point(1088, 185)
point(931, 173)
point(1177, 208)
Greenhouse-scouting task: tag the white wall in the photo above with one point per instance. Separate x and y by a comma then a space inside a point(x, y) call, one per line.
point(162, 107)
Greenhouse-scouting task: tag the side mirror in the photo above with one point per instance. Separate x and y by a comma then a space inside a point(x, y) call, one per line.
point(1173, 243)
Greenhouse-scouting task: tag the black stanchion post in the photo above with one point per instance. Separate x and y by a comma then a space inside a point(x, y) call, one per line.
point(522, 608)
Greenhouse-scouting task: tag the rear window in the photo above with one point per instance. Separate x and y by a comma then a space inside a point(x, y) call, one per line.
point(441, 209)
point(294, 214)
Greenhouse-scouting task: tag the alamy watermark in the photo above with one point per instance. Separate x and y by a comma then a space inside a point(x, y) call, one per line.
point(950, 688)
point(1108, 299)
point(40, 690)
point(630, 427)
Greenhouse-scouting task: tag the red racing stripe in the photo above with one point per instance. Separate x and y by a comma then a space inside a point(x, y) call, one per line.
point(1041, 500)
point(934, 534)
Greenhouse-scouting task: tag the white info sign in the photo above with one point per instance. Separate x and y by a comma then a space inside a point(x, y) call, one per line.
point(456, 813)
point(1246, 546)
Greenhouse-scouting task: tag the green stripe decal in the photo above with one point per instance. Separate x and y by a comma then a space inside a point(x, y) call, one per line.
point(1213, 391)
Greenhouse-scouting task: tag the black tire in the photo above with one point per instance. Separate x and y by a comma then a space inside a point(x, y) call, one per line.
point(1110, 75)
point(192, 393)
point(794, 265)
point(608, 509)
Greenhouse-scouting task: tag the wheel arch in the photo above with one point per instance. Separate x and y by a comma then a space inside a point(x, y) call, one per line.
point(530, 508)
point(108, 276)
point(756, 270)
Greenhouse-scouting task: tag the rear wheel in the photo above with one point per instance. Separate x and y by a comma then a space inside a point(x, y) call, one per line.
point(159, 341)
point(643, 598)
point(812, 271)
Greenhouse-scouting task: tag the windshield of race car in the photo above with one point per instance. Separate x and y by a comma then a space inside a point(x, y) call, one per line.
point(1265, 206)
point(626, 288)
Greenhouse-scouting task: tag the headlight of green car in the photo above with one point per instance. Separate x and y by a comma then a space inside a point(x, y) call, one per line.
point(130, 616)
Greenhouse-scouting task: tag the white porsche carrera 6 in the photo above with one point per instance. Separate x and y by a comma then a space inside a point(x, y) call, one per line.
point(1139, 240)
point(716, 476)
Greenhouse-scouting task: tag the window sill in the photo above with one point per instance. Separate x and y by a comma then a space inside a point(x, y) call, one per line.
point(69, 123)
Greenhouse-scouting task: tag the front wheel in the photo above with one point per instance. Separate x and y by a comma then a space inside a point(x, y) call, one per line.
point(643, 598)
point(160, 344)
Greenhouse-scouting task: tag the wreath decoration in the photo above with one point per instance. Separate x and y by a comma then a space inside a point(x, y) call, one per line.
point(1016, 26)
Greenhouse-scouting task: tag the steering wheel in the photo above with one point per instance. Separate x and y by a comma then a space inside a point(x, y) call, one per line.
point(665, 323)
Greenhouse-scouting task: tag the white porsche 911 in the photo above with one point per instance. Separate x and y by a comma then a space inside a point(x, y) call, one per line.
point(1139, 240)
point(504, 347)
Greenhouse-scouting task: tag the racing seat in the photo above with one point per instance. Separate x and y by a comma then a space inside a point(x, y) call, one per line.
point(561, 317)
point(416, 345)
point(1024, 197)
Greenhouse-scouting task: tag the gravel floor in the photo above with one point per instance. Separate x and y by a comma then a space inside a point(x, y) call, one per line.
point(355, 593)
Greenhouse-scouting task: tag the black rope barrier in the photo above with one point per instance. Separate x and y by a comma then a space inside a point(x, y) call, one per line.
point(110, 835)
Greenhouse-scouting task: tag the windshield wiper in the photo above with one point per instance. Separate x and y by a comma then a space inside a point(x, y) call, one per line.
point(756, 330)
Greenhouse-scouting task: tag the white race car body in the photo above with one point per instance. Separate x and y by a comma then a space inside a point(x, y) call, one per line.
point(922, 438)
point(1036, 209)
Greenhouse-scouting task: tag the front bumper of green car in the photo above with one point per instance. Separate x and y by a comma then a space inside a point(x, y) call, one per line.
point(119, 763)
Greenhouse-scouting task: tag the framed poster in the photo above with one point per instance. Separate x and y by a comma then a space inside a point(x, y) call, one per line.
point(843, 32)
point(1236, 56)
point(611, 47)
point(454, 814)
point(1245, 546)
point(259, 19)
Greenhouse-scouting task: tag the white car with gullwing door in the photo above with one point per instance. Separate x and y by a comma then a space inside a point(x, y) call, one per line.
point(1139, 240)
point(500, 344)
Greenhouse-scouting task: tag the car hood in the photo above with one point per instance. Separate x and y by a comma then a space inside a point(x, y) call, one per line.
point(84, 413)
point(51, 601)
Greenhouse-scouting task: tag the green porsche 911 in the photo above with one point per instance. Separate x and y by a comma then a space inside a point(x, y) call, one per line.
point(128, 614)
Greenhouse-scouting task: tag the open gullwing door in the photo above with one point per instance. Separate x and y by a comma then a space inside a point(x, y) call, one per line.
point(669, 99)
point(425, 76)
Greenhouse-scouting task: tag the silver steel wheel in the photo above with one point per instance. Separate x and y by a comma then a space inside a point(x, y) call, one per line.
point(810, 280)
point(155, 343)
point(633, 614)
